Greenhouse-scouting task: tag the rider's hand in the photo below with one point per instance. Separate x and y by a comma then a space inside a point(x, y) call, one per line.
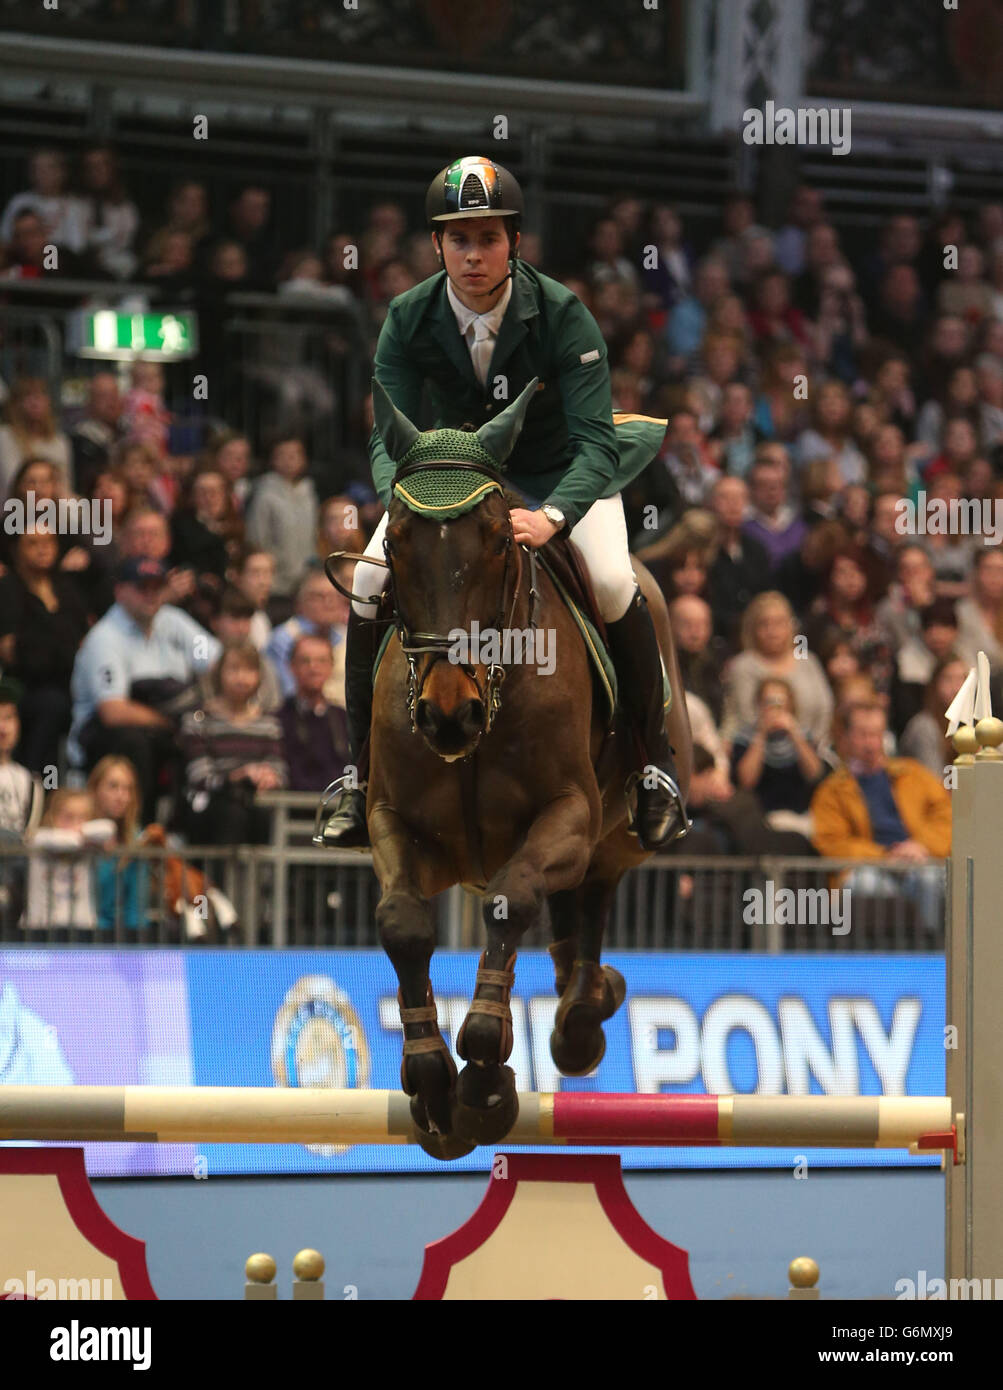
point(531, 528)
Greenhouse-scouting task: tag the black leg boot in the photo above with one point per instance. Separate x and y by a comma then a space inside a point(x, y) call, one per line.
point(345, 827)
point(661, 816)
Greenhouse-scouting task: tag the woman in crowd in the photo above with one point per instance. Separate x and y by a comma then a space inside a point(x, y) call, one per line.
point(831, 434)
point(980, 614)
point(112, 219)
point(845, 607)
point(139, 466)
point(31, 431)
point(231, 752)
point(42, 623)
point(339, 527)
point(960, 401)
point(123, 884)
point(924, 737)
point(769, 649)
point(206, 530)
point(230, 454)
point(779, 414)
point(773, 759)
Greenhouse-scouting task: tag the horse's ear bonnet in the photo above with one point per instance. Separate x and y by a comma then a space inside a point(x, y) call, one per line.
point(445, 493)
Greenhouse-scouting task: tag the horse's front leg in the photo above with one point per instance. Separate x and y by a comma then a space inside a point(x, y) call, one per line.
point(553, 856)
point(410, 873)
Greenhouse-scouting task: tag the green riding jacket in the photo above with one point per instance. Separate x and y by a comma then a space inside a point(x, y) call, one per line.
point(568, 453)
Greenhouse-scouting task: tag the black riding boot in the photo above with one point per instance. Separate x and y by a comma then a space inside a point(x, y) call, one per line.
point(660, 816)
point(345, 827)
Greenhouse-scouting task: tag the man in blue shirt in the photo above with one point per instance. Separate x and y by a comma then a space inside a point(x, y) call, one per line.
point(140, 638)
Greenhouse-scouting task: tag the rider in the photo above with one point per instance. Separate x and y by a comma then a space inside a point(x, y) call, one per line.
point(475, 334)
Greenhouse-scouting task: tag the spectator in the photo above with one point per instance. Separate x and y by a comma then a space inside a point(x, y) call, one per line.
point(230, 621)
point(60, 883)
point(249, 224)
point(231, 751)
point(206, 532)
point(170, 260)
point(740, 228)
point(314, 732)
point(254, 575)
point(822, 254)
point(773, 522)
point(891, 396)
point(146, 535)
point(773, 318)
point(322, 612)
point(740, 568)
point(31, 431)
point(846, 607)
point(20, 791)
point(938, 633)
point(187, 214)
point(951, 554)
point(899, 315)
point(132, 673)
point(768, 634)
point(94, 436)
point(804, 213)
point(700, 654)
point(726, 821)
point(889, 810)
point(122, 884)
point(688, 460)
point(735, 438)
point(282, 515)
point(111, 217)
point(230, 454)
point(831, 434)
point(688, 321)
point(947, 347)
point(967, 293)
point(668, 280)
point(339, 527)
point(42, 623)
point(29, 253)
point(145, 417)
point(980, 613)
point(608, 259)
point(821, 486)
point(961, 400)
point(781, 412)
point(140, 469)
point(63, 215)
point(774, 760)
point(840, 325)
point(924, 737)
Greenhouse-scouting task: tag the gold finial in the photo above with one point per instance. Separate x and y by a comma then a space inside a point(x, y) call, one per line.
point(803, 1272)
point(989, 733)
point(308, 1264)
point(259, 1269)
point(965, 742)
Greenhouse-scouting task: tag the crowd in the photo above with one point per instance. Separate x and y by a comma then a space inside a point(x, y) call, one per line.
point(808, 394)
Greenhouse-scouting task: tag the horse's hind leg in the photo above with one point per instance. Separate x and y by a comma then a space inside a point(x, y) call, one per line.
point(590, 992)
point(406, 924)
point(552, 856)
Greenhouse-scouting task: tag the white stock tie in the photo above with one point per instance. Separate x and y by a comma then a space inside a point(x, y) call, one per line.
point(483, 348)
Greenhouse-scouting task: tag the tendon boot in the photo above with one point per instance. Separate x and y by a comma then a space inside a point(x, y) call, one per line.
point(345, 827)
point(660, 816)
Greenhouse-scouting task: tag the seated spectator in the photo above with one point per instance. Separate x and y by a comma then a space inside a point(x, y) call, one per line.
point(951, 554)
point(980, 613)
point(320, 612)
point(804, 213)
point(768, 634)
point(840, 325)
point(135, 669)
point(27, 255)
point(230, 454)
point(774, 760)
point(773, 522)
point(668, 280)
point(802, 576)
point(314, 732)
point(608, 260)
point(111, 217)
point(700, 654)
point(20, 791)
point(687, 459)
point(42, 623)
point(740, 568)
point(100, 428)
point(720, 365)
point(967, 293)
point(938, 627)
point(740, 229)
point(339, 527)
point(122, 884)
point(147, 481)
point(254, 575)
point(230, 621)
point(206, 531)
point(900, 313)
point(727, 821)
point(773, 318)
point(231, 751)
point(63, 214)
point(60, 880)
point(144, 413)
point(924, 737)
point(31, 431)
point(282, 516)
point(734, 439)
point(704, 731)
point(821, 485)
point(687, 322)
point(830, 436)
point(889, 810)
point(250, 224)
point(845, 606)
point(960, 401)
point(959, 447)
point(146, 535)
point(898, 612)
point(782, 411)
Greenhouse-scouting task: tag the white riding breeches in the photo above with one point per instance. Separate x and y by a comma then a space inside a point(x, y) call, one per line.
point(601, 536)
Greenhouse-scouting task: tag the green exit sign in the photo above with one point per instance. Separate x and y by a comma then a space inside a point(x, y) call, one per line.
point(108, 334)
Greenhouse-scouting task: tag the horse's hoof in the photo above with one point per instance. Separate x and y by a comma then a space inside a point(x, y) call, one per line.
point(441, 1144)
point(617, 991)
point(487, 1105)
point(579, 1045)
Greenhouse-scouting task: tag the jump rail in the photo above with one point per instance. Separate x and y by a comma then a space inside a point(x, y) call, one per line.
point(265, 1115)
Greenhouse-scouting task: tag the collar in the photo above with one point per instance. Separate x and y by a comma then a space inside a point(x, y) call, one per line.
point(305, 707)
point(465, 317)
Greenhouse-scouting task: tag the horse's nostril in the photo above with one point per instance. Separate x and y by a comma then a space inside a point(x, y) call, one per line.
point(470, 717)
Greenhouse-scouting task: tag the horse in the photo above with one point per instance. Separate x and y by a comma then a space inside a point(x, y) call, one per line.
point(484, 772)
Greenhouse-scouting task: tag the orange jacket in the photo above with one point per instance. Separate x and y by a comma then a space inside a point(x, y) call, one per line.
point(843, 824)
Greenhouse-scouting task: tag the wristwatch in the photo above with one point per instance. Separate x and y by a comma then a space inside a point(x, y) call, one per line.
point(555, 516)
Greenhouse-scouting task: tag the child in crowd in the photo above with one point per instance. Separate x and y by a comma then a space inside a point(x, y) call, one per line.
point(61, 881)
point(282, 517)
point(20, 792)
point(123, 885)
point(254, 576)
point(144, 414)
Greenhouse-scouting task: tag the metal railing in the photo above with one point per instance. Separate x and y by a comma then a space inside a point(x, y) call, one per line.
point(300, 896)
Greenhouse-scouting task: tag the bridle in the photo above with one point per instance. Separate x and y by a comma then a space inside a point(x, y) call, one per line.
point(416, 644)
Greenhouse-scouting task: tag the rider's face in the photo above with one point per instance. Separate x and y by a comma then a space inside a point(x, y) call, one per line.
point(475, 252)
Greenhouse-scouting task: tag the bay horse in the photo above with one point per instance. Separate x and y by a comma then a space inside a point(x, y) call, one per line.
point(492, 786)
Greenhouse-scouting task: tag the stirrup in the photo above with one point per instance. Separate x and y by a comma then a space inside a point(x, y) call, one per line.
point(663, 782)
point(329, 794)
